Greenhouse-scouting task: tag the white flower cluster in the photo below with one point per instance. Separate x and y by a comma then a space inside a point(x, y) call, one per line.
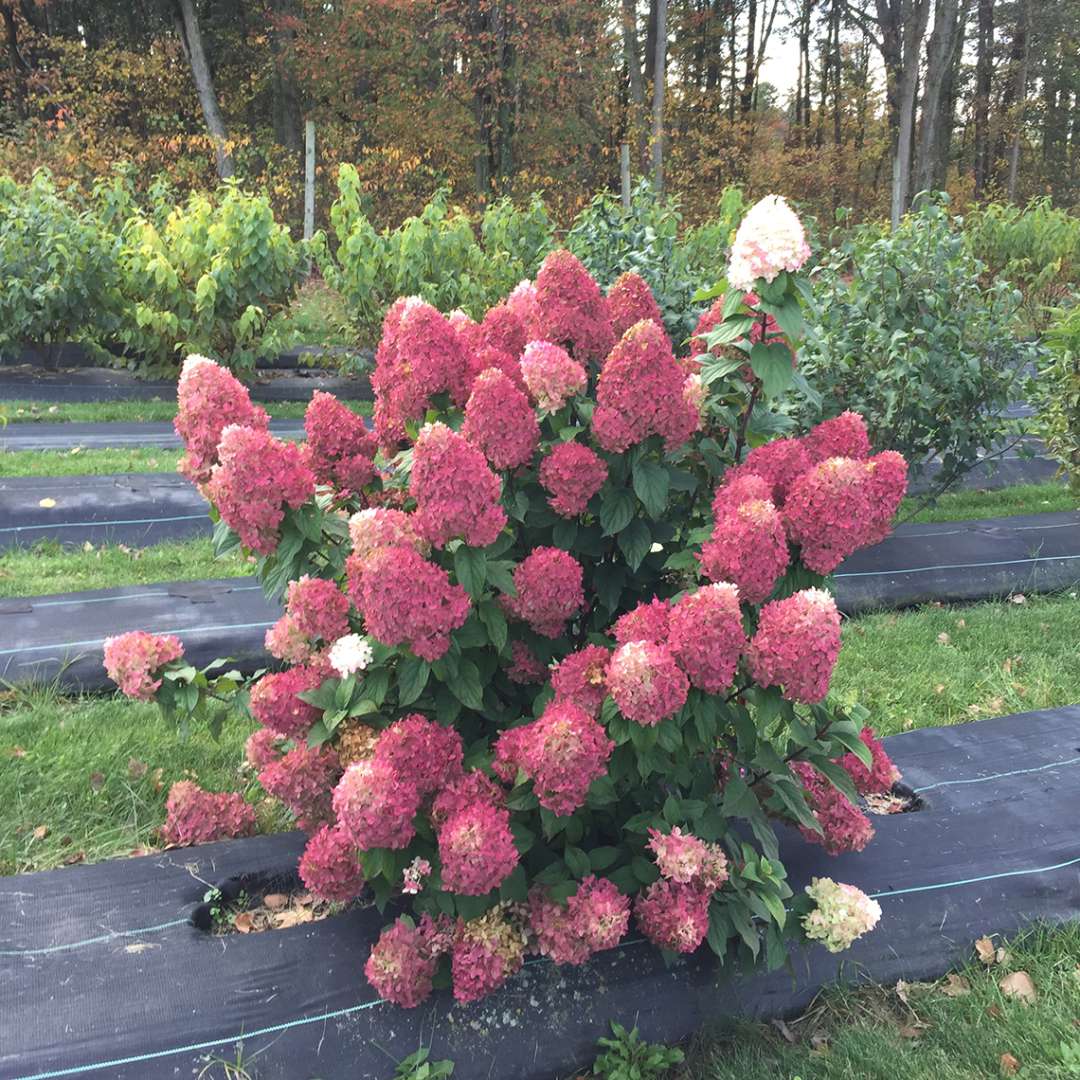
point(770, 239)
point(350, 654)
point(843, 913)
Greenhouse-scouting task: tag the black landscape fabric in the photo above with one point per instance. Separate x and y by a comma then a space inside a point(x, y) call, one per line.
point(102, 973)
point(60, 636)
point(91, 435)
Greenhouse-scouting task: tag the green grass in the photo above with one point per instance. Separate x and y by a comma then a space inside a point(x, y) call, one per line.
point(49, 567)
point(24, 412)
point(873, 1034)
point(91, 776)
point(945, 665)
point(972, 505)
point(79, 462)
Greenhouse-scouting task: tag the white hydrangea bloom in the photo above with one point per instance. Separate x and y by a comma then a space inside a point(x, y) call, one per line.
point(770, 239)
point(350, 654)
point(843, 913)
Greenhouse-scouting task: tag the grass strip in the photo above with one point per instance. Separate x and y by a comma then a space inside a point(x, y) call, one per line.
point(80, 462)
point(156, 409)
point(975, 505)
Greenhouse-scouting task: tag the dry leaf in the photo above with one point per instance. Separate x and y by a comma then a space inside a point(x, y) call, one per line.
point(943, 638)
point(284, 919)
point(984, 948)
point(994, 1012)
point(901, 991)
point(912, 1031)
point(786, 1032)
point(819, 1043)
point(17, 752)
point(97, 780)
point(46, 504)
point(940, 688)
point(1019, 598)
point(956, 986)
point(961, 623)
point(275, 901)
point(41, 832)
point(136, 768)
point(305, 898)
point(243, 922)
point(74, 857)
point(1018, 985)
point(1010, 1066)
point(1001, 956)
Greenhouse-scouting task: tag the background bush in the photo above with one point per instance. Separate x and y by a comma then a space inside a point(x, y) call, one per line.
point(1056, 393)
point(903, 330)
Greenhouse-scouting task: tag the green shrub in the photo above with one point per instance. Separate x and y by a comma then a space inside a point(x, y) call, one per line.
point(435, 254)
point(317, 316)
point(59, 269)
point(206, 281)
point(1036, 247)
point(1056, 393)
point(627, 1056)
point(903, 331)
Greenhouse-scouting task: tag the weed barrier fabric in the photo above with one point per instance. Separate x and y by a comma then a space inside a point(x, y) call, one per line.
point(61, 637)
point(92, 435)
point(103, 974)
point(963, 561)
point(136, 509)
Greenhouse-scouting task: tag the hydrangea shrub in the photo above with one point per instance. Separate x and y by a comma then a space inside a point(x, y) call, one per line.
point(559, 634)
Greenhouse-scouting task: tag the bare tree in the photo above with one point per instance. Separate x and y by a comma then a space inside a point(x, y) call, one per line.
point(637, 85)
point(984, 72)
point(191, 36)
point(659, 84)
point(942, 58)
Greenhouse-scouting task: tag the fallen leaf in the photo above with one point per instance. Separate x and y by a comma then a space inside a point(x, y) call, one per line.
point(304, 898)
point(97, 780)
point(1019, 598)
point(243, 922)
point(139, 947)
point(46, 504)
point(785, 1032)
point(275, 901)
point(17, 752)
point(961, 623)
point(819, 1043)
point(984, 948)
point(136, 768)
point(1010, 1066)
point(994, 1012)
point(956, 986)
point(74, 857)
point(912, 1031)
point(943, 638)
point(284, 919)
point(1018, 985)
point(901, 991)
point(940, 688)
point(41, 832)
point(1001, 956)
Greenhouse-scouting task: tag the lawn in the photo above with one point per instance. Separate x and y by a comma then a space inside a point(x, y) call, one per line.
point(49, 567)
point(80, 462)
point(21, 412)
point(972, 505)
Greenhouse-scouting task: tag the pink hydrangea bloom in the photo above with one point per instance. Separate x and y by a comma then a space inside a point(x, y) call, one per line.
point(673, 916)
point(405, 599)
point(595, 918)
point(500, 420)
point(842, 505)
point(580, 678)
point(707, 636)
point(263, 747)
point(522, 301)
point(402, 963)
point(842, 914)
point(640, 393)
point(525, 669)
point(842, 436)
point(467, 330)
point(571, 474)
point(463, 791)
point(881, 774)
point(456, 493)
point(646, 682)
point(740, 486)
point(303, 780)
point(780, 462)
point(209, 399)
point(375, 805)
point(276, 704)
point(420, 356)
point(256, 477)
point(649, 621)
point(425, 751)
point(341, 450)
point(318, 608)
point(563, 752)
point(134, 661)
point(195, 816)
point(550, 375)
point(285, 641)
point(549, 590)
point(629, 300)
point(379, 527)
point(683, 858)
point(503, 329)
point(844, 827)
point(748, 547)
point(570, 308)
point(476, 849)
point(329, 866)
point(796, 645)
point(769, 239)
point(486, 952)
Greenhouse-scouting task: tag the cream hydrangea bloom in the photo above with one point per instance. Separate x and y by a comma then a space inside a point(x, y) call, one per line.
point(770, 239)
point(843, 913)
point(350, 654)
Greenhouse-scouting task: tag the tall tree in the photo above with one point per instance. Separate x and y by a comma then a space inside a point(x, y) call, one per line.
point(191, 36)
point(659, 86)
point(942, 60)
point(637, 124)
point(984, 75)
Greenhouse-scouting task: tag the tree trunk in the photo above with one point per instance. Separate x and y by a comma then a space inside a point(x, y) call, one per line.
point(637, 86)
point(941, 54)
point(20, 69)
point(659, 84)
point(746, 97)
point(1021, 53)
point(204, 86)
point(984, 71)
point(834, 19)
point(287, 116)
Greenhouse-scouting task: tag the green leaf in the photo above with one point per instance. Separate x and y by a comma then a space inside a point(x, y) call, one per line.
point(470, 565)
point(651, 484)
point(491, 615)
point(412, 675)
point(578, 862)
point(564, 534)
point(616, 511)
point(635, 542)
point(600, 858)
point(772, 365)
point(466, 687)
point(500, 574)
